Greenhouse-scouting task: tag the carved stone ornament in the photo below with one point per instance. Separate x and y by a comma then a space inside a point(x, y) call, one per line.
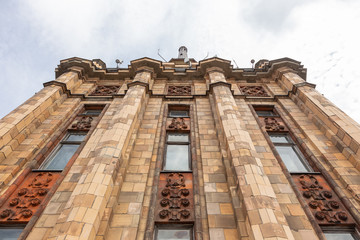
point(273, 124)
point(323, 202)
point(82, 123)
point(175, 198)
point(178, 124)
point(179, 90)
point(105, 90)
point(26, 199)
point(257, 91)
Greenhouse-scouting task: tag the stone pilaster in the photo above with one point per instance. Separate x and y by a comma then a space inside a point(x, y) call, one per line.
point(318, 118)
point(254, 186)
point(98, 164)
point(25, 119)
point(130, 212)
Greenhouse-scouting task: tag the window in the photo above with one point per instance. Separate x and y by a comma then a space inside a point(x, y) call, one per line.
point(10, 232)
point(177, 156)
point(289, 153)
point(61, 155)
point(92, 110)
point(174, 231)
point(179, 113)
point(341, 236)
point(265, 113)
point(340, 233)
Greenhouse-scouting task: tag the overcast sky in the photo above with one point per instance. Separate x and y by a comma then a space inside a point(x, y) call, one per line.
point(323, 34)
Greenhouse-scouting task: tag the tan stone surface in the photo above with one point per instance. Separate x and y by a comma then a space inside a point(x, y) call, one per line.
point(100, 159)
point(256, 190)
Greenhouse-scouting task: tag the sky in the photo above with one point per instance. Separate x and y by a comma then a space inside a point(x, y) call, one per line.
point(323, 34)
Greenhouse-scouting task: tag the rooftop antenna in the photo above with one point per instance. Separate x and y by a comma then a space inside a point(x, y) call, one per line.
point(118, 62)
point(161, 56)
point(206, 56)
point(252, 63)
point(235, 63)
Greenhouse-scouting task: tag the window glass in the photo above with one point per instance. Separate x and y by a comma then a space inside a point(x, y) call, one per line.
point(279, 139)
point(291, 159)
point(178, 137)
point(10, 233)
point(92, 112)
point(265, 113)
point(60, 157)
point(178, 113)
point(172, 234)
point(339, 236)
point(177, 158)
point(75, 137)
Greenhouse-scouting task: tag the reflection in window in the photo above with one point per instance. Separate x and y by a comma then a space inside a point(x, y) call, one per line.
point(10, 233)
point(178, 113)
point(173, 232)
point(61, 155)
point(280, 138)
point(265, 113)
point(289, 153)
point(92, 112)
point(177, 152)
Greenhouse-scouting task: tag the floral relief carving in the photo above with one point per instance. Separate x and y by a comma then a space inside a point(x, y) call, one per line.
point(82, 123)
point(105, 90)
point(323, 202)
point(26, 199)
point(175, 197)
point(179, 90)
point(273, 124)
point(174, 215)
point(257, 91)
point(178, 124)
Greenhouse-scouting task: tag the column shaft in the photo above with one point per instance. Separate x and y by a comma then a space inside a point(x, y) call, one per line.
point(254, 186)
point(98, 164)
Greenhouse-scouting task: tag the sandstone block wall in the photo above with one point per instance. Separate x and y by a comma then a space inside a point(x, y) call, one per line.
point(241, 189)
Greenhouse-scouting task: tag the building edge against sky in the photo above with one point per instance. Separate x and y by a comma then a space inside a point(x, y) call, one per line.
point(179, 150)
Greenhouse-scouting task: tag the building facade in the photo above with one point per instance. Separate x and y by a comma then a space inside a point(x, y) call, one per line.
point(179, 150)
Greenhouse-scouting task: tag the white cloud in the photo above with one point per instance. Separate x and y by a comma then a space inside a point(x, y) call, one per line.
point(37, 34)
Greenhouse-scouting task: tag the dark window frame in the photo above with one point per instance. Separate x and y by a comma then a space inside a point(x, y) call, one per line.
point(97, 108)
point(50, 158)
point(341, 230)
point(167, 143)
point(177, 107)
point(12, 226)
point(176, 110)
point(174, 226)
point(265, 108)
point(292, 145)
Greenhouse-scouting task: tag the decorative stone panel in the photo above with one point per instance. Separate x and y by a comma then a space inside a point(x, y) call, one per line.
point(323, 202)
point(175, 198)
point(105, 90)
point(273, 124)
point(184, 90)
point(28, 197)
point(257, 91)
point(178, 124)
point(82, 123)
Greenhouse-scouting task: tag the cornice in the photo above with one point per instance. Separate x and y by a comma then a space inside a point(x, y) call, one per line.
point(97, 68)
